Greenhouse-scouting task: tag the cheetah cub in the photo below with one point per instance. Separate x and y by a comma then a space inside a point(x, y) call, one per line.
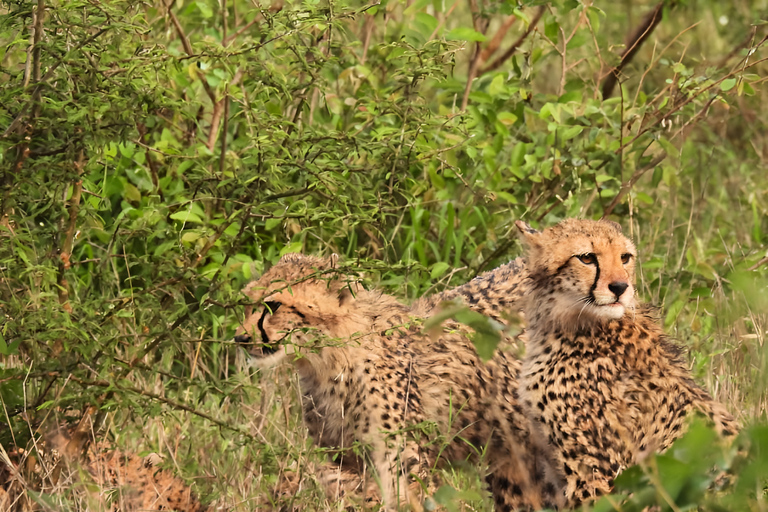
point(602, 381)
point(370, 376)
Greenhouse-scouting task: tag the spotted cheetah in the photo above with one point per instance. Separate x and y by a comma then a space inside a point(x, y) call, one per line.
point(497, 294)
point(603, 383)
point(370, 375)
point(114, 479)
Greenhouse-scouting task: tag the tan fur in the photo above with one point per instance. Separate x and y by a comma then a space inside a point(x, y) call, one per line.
point(370, 375)
point(113, 479)
point(602, 381)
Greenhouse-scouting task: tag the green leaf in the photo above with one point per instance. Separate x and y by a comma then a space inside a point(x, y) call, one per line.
point(668, 147)
point(438, 269)
point(465, 34)
point(571, 132)
point(727, 84)
point(187, 216)
point(292, 247)
point(506, 118)
point(552, 29)
point(497, 85)
point(416, 6)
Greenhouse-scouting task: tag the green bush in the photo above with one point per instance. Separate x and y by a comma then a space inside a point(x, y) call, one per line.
point(155, 159)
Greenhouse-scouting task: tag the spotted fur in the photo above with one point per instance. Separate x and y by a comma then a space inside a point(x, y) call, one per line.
point(603, 383)
point(115, 480)
point(371, 376)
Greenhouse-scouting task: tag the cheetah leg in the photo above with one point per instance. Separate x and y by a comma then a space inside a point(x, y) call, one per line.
point(394, 463)
point(348, 485)
point(340, 484)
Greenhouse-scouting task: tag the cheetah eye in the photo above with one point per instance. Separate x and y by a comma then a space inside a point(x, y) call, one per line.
point(587, 259)
point(625, 258)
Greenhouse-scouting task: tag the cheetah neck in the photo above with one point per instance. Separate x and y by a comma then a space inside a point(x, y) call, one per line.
point(552, 333)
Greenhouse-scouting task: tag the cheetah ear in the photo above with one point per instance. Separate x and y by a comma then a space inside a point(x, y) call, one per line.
point(525, 228)
point(333, 259)
point(529, 235)
point(346, 297)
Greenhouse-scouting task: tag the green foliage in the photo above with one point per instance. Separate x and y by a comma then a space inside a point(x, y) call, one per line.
point(153, 161)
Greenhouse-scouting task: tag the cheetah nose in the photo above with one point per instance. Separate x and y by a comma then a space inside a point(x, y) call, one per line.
point(618, 287)
point(242, 338)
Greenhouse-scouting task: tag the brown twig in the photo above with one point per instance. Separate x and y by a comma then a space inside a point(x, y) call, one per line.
point(758, 264)
point(368, 27)
point(745, 43)
point(69, 234)
point(472, 70)
point(221, 109)
point(481, 56)
point(153, 170)
point(497, 38)
point(218, 111)
point(635, 41)
point(188, 49)
point(513, 48)
point(155, 396)
point(225, 129)
point(663, 115)
point(32, 73)
point(627, 185)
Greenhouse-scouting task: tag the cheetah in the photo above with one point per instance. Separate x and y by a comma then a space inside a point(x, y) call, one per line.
point(371, 376)
point(114, 479)
point(602, 382)
point(498, 294)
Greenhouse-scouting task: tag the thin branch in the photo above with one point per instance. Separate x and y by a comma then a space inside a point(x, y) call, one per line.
point(627, 185)
point(188, 49)
point(48, 74)
point(218, 111)
point(220, 108)
point(636, 40)
point(368, 27)
point(227, 40)
point(222, 156)
point(32, 72)
point(663, 115)
point(512, 49)
point(759, 264)
point(497, 38)
point(153, 170)
point(167, 401)
point(473, 64)
point(69, 233)
point(746, 43)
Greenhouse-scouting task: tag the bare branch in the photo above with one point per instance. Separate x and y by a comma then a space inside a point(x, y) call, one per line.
point(758, 264)
point(188, 49)
point(513, 48)
point(636, 40)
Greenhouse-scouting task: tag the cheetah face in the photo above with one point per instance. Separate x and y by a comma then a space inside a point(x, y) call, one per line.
point(297, 309)
point(583, 270)
point(268, 331)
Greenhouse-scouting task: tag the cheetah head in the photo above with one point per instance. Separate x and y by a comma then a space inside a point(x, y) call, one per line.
point(299, 302)
point(582, 270)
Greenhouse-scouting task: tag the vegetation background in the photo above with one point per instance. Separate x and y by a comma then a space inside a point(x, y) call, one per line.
point(155, 156)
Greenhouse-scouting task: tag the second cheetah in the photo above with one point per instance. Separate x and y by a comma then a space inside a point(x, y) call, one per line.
point(371, 376)
point(603, 383)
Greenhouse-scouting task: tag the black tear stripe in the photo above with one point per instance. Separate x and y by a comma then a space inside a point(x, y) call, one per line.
point(597, 278)
point(260, 324)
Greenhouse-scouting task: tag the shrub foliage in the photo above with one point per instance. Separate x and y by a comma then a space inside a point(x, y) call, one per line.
point(157, 155)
